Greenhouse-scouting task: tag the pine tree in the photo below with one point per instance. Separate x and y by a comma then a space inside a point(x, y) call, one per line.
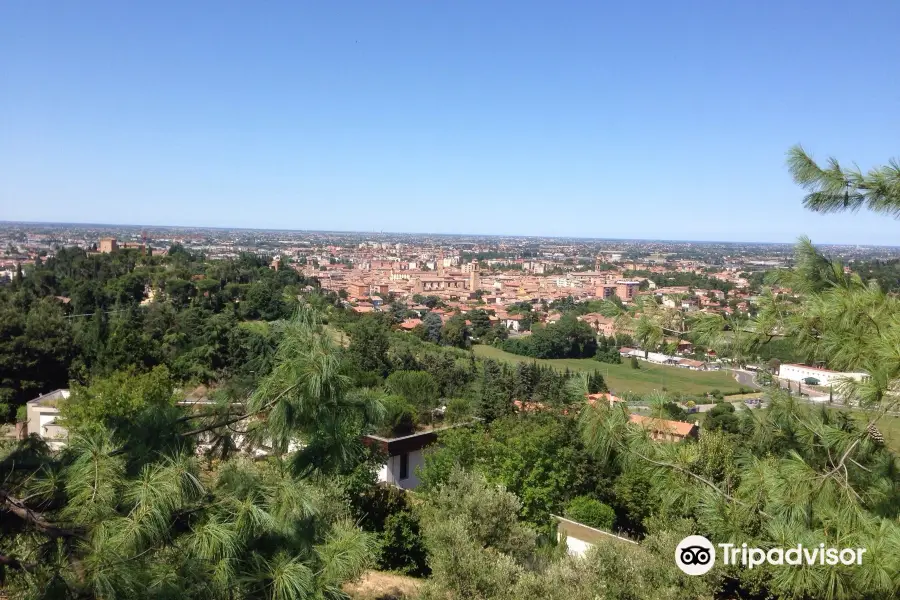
point(134, 514)
point(797, 473)
point(493, 400)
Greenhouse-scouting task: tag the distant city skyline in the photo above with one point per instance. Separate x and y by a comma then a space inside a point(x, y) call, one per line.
point(462, 234)
point(652, 120)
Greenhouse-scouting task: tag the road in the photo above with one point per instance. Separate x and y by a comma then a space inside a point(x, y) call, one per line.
point(746, 378)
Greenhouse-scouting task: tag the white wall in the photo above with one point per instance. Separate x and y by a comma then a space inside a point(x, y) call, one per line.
point(575, 546)
point(801, 372)
point(44, 420)
point(390, 472)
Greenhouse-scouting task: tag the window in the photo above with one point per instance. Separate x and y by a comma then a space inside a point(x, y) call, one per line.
point(404, 466)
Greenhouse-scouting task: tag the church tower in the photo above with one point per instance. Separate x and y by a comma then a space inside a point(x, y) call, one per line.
point(440, 264)
point(474, 277)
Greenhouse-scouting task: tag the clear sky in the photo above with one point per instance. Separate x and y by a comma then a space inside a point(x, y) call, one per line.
point(603, 119)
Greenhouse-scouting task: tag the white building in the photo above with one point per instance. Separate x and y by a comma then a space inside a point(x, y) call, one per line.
point(792, 372)
point(404, 455)
point(512, 322)
point(566, 282)
point(42, 413)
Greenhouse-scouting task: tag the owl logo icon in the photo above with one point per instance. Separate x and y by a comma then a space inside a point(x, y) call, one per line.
point(695, 555)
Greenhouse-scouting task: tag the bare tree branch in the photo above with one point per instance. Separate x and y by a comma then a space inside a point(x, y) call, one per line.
point(21, 510)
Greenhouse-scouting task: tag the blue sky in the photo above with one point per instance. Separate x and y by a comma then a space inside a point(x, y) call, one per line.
point(629, 120)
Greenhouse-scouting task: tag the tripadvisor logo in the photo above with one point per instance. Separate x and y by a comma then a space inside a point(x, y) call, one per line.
point(696, 555)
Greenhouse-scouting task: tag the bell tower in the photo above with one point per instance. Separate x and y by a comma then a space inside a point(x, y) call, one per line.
point(474, 277)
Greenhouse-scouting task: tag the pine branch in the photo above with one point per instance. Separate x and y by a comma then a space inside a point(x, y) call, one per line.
point(233, 420)
point(219, 424)
point(696, 477)
point(836, 189)
point(15, 563)
point(21, 510)
point(841, 465)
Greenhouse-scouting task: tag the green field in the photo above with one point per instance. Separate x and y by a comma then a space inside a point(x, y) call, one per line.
point(622, 378)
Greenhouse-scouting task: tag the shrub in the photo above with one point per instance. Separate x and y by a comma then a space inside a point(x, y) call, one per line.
point(634, 363)
point(591, 512)
point(417, 387)
point(400, 417)
point(722, 417)
point(458, 410)
point(401, 546)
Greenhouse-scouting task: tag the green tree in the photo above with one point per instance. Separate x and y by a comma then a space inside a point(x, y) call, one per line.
point(400, 416)
point(126, 520)
point(481, 322)
point(591, 512)
point(493, 399)
point(417, 387)
point(35, 350)
point(722, 418)
point(596, 383)
point(433, 324)
point(369, 344)
point(488, 512)
point(455, 332)
point(459, 410)
point(538, 457)
point(112, 402)
point(752, 490)
point(477, 550)
point(401, 545)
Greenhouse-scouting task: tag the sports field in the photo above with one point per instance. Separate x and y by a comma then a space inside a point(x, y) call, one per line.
point(622, 378)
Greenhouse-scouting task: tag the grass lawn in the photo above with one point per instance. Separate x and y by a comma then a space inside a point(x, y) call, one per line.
point(622, 378)
point(337, 336)
point(378, 585)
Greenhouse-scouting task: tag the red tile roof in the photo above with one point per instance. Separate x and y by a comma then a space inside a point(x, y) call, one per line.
point(662, 425)
point(410, 323)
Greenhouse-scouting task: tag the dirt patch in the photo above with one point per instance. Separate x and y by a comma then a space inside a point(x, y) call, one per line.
point(376, 585)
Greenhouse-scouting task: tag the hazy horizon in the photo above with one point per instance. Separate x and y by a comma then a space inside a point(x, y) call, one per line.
point(426, 233)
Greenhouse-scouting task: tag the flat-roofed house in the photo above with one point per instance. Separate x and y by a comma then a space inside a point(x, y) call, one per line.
point(404, 454)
